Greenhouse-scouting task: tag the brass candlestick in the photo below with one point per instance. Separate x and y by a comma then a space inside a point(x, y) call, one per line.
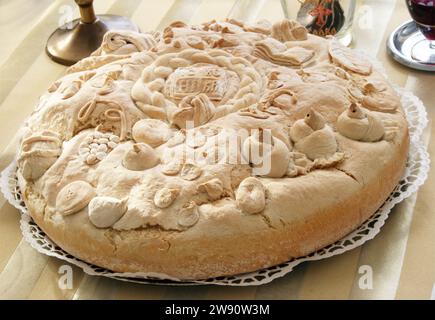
point(69, 45)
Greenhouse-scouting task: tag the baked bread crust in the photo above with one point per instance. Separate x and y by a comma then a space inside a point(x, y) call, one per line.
point(339, 147)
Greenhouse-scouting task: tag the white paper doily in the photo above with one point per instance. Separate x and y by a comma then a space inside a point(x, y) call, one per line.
point(415, 174)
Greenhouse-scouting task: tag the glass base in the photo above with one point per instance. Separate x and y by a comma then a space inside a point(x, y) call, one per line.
point(344, 38)
point(401, 43)
point(423, 52)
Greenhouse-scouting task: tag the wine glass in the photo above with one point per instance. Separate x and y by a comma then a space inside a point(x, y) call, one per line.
point(68, 45)
point(423, 14)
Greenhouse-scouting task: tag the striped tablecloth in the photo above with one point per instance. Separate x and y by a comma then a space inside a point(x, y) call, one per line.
point(402, 256)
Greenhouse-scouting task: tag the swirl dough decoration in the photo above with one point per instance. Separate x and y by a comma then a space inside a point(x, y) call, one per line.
point(202, 127)
point(140, 157)
point(359, 124)
point(313, 137)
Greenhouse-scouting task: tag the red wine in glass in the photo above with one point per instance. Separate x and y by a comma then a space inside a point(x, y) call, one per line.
point(423, 13)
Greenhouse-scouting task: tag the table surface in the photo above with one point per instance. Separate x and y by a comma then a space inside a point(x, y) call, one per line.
point(402, 256)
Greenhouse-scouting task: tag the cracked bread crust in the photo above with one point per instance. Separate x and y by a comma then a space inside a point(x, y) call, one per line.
point(199, 227)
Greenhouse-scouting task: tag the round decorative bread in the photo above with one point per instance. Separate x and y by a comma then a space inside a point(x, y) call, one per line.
point(211, 150)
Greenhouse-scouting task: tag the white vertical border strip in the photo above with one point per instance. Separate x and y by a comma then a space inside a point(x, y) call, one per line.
point(432, 296)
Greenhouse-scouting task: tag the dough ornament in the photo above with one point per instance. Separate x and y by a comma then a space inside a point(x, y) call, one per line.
point(313, 137)
point(358, 124)
point(74, 197)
